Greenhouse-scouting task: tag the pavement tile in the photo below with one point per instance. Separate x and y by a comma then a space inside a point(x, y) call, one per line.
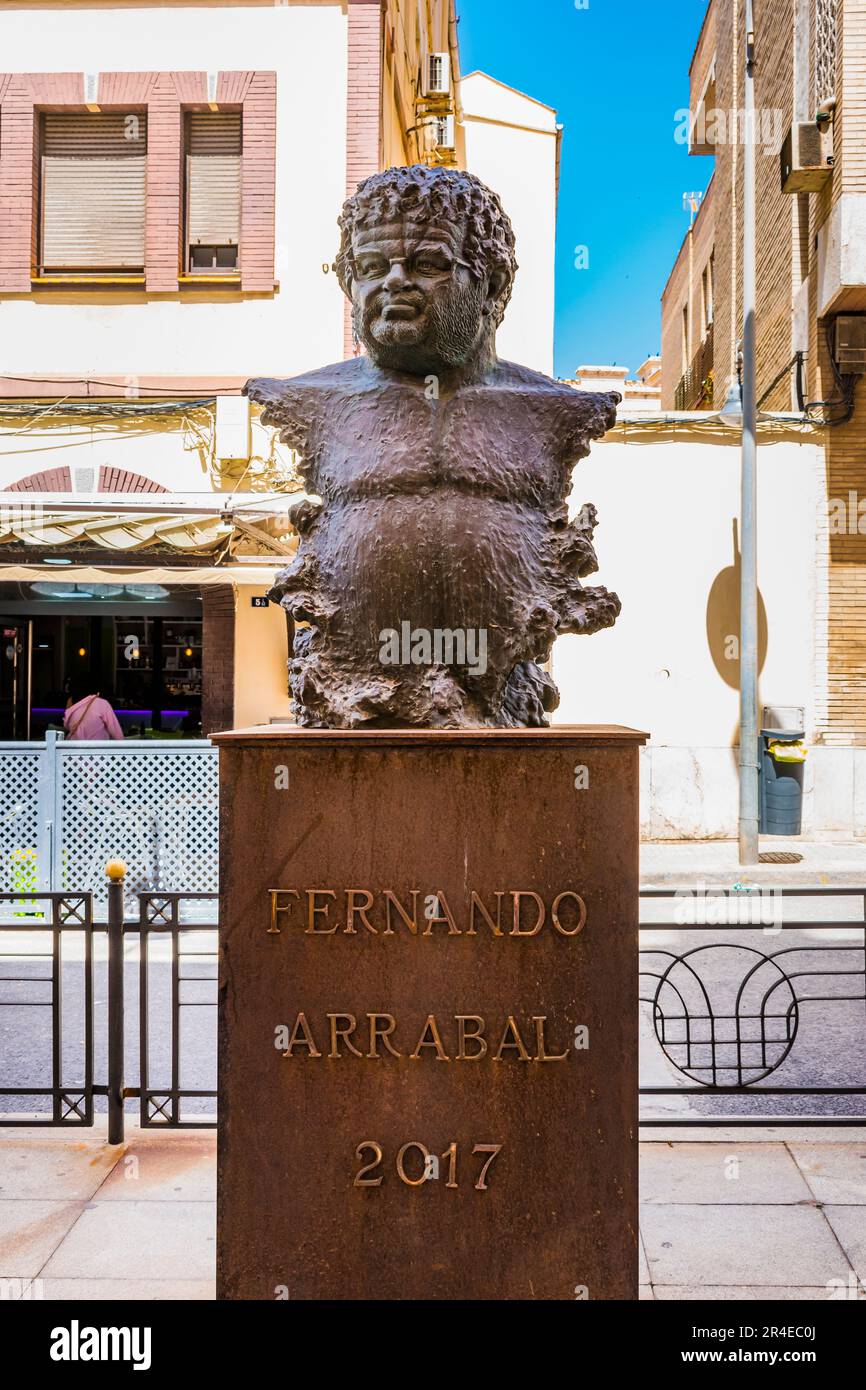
point(679, 863)
point(849, 1224)
point(37, 1167)
point(157, 1167)
point(139, 1240)
point(29, 1232)
point(834, 1172)
point(764, 1134)
point(707, 1173)
point(740, 1245)
point(644, 1277)
point(137, 1221)
point(669, 1293)
point(147, 1290)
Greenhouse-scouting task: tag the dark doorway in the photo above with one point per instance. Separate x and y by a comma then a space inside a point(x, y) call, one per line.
point(146, 662)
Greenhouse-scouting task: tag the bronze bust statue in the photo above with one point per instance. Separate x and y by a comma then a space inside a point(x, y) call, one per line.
point(436, 562)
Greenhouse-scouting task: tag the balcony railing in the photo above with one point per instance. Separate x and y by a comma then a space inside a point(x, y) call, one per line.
point(695, 389)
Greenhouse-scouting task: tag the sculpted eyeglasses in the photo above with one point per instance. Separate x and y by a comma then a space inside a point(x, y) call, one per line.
point(426, 265)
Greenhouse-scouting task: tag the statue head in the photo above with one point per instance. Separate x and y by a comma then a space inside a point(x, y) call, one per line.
point(427, 259)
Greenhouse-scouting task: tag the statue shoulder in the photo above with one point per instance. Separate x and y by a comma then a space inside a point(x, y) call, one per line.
point(577, 417)
point(296, 404)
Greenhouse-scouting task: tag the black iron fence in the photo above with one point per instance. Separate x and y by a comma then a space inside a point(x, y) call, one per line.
point(756, 1000)
point(754, 1007)
point(58, 960)
point(44, 922)
point(171, 917)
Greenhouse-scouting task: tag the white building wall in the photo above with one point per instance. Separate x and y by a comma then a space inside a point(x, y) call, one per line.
point(261, 645)
point(167, 453)
point(667, 511)
point(195, 332)
point(511, 145)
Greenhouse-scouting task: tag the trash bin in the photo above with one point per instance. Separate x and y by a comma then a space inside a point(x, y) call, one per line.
point(783, 755)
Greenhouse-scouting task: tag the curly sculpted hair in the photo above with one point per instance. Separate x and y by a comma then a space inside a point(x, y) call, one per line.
point(424, 194)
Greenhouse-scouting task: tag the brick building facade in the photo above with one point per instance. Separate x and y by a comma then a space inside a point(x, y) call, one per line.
point(810, 131)
point(221, 139)
point(170, 180)
point(161, 98)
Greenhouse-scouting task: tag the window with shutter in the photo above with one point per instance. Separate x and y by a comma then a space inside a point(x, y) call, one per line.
point(92, 196)
point(213, 191)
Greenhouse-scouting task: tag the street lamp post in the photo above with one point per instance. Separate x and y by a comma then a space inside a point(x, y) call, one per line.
point(749, 768)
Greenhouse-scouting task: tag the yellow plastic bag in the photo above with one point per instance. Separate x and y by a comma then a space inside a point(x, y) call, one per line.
point(793, 752)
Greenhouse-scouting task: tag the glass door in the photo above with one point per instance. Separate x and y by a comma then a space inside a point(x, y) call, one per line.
point(15, 678)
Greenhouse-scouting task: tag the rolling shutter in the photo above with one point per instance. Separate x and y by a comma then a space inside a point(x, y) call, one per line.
point(93, 182)
point(214, 179)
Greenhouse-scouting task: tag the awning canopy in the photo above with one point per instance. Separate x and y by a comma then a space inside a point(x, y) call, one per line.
point(259, 575)
point(198, 534)
point(249, 525)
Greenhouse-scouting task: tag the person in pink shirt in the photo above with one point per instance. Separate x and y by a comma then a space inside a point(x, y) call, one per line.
point(90, 717)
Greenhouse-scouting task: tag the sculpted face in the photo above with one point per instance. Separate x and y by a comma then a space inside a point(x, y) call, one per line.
point(415, 304)
point(435, 564)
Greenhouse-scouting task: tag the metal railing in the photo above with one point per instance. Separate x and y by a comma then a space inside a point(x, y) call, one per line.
point(173, 917)
point(695, 388)
point(748, 1005)
point(39, 931)
point(59, 916)
point(731, 994)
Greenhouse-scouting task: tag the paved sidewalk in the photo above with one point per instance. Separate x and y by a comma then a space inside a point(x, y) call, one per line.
point(724, 1218)
point(89, 1221)
point(721, 1218)
point(674, 863)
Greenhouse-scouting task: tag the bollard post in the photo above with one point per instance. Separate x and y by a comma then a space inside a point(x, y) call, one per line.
point(115, 871)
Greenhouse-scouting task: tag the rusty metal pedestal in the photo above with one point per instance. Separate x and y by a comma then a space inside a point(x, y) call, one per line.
point(428, 1014)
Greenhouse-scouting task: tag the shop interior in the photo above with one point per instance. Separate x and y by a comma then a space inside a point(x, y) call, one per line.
point(138, 646)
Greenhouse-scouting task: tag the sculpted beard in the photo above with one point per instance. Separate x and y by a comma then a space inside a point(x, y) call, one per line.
point(446, 332)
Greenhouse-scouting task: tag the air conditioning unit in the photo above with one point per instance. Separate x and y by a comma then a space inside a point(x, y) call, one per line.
point(849, 344)
point(806, 158)
point(443, 132)
point(436, 75)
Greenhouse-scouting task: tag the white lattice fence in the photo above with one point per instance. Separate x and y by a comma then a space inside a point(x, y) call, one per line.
point(155, 808)
point(23, 850)
point(66, 808)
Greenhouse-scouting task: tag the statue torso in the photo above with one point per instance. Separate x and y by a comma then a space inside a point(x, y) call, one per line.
point(441, 511)
point(436, 509)
point(484, 440)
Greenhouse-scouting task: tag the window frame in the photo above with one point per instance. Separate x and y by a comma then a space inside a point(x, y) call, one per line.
point(132, 275)
point(187, 270)
point(164, 95)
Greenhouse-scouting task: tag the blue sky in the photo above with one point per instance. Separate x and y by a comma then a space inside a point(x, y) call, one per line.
point(616, 72)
